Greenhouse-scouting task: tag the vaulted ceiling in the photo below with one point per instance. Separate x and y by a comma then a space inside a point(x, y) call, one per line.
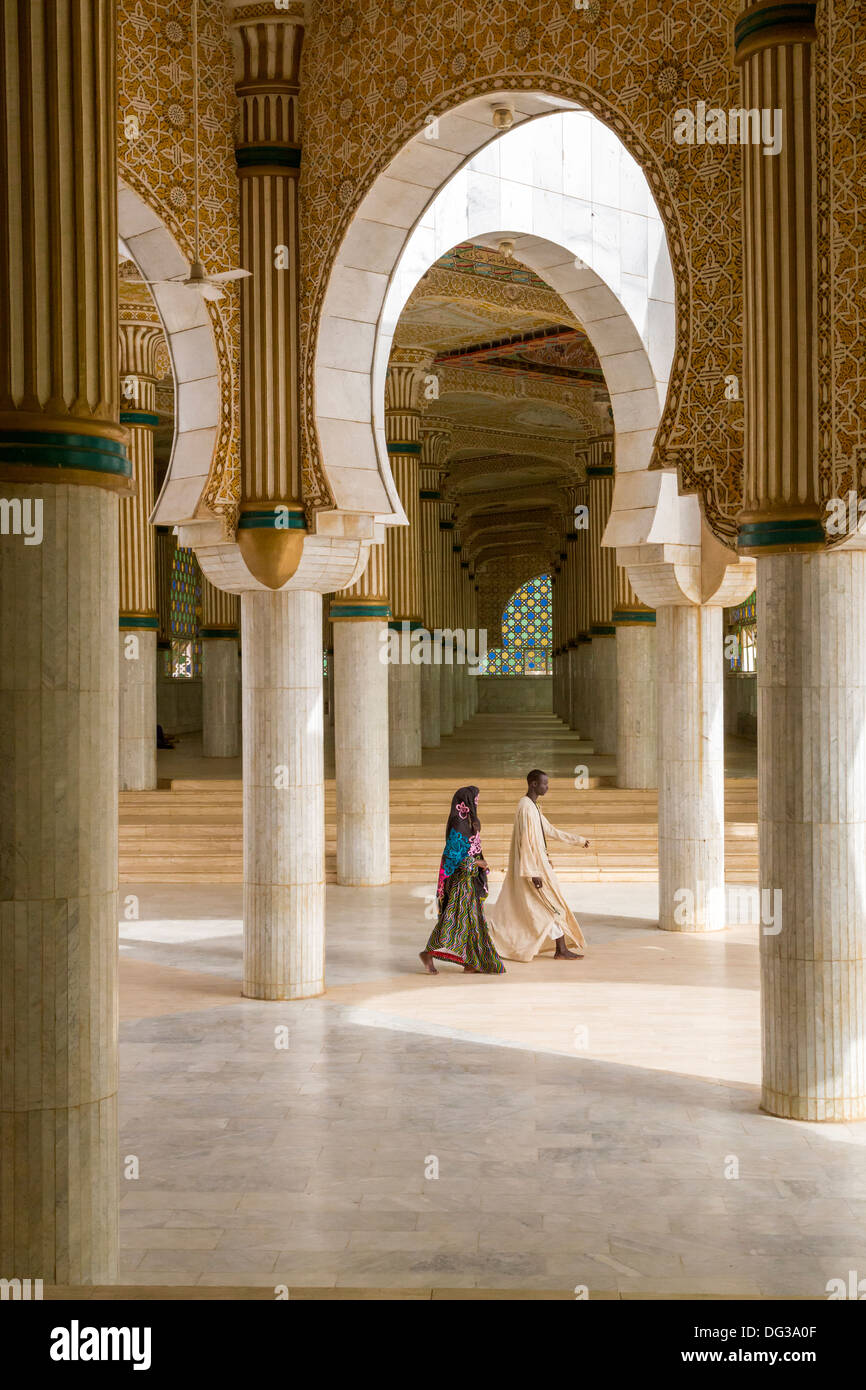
point(520, 391)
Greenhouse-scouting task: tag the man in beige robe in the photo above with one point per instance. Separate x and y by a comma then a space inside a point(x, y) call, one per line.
point(531, 916)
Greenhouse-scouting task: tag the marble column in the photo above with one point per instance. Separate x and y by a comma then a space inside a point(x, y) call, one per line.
point(361, 741)
point(581, 582)
point(602, 565)
point(570, 716)
point(584, 707)
point(141, 340)
point(272, 521)
point(359, 615)
point(431, 703)
point(402, 430)
point(434, 447)
point(446, 692)
point(636, 696)
point(221, 685)
point(63, 463)
point(447, 620)
point(284, 795)
point(691, 782)
point(460, 711)
point(811, 638)
point(604, 733)
point(812, 829)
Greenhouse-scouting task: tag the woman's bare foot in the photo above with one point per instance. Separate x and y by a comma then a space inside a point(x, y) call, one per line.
point(563, 953)
point(426, 958)
point(469, 970)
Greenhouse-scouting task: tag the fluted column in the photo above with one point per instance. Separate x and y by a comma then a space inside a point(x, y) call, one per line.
point(447, 621)
point(433, 445)
point(360, 624)
point(403, 433)
point(284, 796)
point(220, 673)
point(472, 627)
point(457, 588)
point(811, 638)
point(166, 546)
point(564, 664)
point(691, 769)
point(63, 462)
point(580, 706)
point(812, 828)
point(781, 506)
point(281, 631)
point(140, 340)
point(636, 691)
point(268, 156)
point(602, 562)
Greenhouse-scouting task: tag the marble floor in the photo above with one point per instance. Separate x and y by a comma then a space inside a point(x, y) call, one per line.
point(570, 1125)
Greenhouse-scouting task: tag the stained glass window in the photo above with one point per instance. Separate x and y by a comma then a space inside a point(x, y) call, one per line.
point(527, 629)
point(741, 637)
point(185, 615)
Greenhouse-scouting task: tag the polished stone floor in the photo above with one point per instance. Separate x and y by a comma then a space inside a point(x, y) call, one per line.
point(593, 1124)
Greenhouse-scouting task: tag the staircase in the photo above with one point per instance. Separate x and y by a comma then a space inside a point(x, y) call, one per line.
point(191, 831)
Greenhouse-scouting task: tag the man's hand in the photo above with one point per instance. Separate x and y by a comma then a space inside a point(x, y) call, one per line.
point(536, 883)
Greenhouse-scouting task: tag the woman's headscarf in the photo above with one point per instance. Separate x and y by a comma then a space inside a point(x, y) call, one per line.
point(464, 812)
point(463, 818)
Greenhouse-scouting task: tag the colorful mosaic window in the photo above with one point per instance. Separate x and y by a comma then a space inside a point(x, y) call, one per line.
point(185, 615)
point(527, 627)
point(741, 637)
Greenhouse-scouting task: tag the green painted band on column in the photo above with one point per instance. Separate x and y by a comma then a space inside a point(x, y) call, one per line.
point(212, 633)
point(793, 531)
point(446, 525)
point(360, 610)
point(135, 620)
point(602, 630)
point(599, 470)
point(630, 615)
point(464, 564)
point(43, 449)
point(406, 447)
point(399, 624)
point(772, 16)
point(251, 156)
point(273, 519)
point(427, 496)
point(571, 535)
point(138, 417)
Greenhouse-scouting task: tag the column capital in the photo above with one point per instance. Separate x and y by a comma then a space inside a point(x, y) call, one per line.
point(769, 24)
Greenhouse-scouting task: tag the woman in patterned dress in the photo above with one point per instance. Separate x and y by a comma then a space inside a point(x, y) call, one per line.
point(461, 933)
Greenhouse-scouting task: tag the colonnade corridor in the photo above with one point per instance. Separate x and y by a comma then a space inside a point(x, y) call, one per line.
point(398, 398)
point(582, 1116)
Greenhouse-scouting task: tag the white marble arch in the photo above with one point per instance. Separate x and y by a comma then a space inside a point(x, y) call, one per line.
point(561, 185)
point(190, 339)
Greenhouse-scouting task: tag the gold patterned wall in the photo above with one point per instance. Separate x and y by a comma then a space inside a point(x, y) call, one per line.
point(154, 68)
point(373, 70)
